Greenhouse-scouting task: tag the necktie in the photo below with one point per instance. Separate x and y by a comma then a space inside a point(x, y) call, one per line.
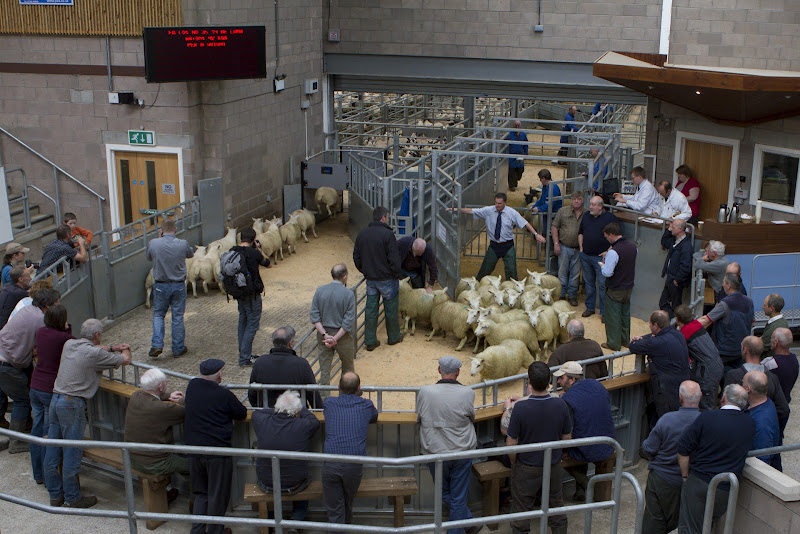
point(498, 226)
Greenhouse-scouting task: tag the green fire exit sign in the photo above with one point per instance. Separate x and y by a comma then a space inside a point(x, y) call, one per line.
point(141, 137)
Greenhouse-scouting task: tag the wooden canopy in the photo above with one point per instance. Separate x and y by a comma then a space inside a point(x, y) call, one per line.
point(738, 97)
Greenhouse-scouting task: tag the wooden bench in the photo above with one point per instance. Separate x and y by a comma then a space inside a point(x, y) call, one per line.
point(490, 474)
point(602, 490)
point(398, 489)
point(154, 486)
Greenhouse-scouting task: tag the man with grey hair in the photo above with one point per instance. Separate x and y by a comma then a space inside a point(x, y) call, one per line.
point(564, 232)
point(168, 254)
point(282, 366)
point(732, 318)
point(663, 493)
point(416, 257)
point(712, 261)
point(333, 314)
point(784, 364)
point(446, 413)
point(152, 412)
point(289, 426)
point(716, 442)
point(579, 348)
point(772, 306)
point(82, 362)
point(762, 410)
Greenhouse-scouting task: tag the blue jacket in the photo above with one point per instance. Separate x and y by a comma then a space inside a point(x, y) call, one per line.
point(568, 127)
point(731, 330)
point(590, 405)
point(542, 203)
point(669, 355)
point(678, 265)
point(768, 433)
point(517, 149)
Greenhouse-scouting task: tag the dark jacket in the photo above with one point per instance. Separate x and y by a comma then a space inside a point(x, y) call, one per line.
point(578, 349)
point(10, 295)
point(427, 260)
point(590, 407)
point(678, 265)
point(732, 329)
point(252, 259)
point(210, 412)
point(375, 253)
point(517, 149)
point(281, 366)
point(281, 432)
point(625, 270)
point(150, 420)
point(774, 391)
point(705, 364)
point(669, 355)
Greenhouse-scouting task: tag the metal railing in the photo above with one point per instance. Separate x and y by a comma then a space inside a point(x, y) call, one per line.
point(24, 198)
point(438, 524)
point(790, 312)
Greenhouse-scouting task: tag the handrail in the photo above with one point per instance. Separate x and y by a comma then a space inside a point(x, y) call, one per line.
point(279, 523)
point(711, 493)
point(55, 166)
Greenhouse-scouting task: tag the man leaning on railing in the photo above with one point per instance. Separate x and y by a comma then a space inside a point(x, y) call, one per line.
point(62, 247)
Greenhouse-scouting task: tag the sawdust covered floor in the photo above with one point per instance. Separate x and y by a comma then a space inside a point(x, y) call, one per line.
point(211, 326)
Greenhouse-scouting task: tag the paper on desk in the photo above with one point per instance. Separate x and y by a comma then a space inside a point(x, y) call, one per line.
point(651, 220)
point(780, 222)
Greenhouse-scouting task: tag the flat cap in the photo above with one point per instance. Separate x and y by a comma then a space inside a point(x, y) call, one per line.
point(13, 248)
point(449, 364)
point(210, 366)
point(569, 368)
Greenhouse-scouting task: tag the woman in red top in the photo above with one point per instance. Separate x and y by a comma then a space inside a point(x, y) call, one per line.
point(50, 341)
point(690, 187)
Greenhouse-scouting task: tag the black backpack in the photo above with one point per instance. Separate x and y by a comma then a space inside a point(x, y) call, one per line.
point(235, 278)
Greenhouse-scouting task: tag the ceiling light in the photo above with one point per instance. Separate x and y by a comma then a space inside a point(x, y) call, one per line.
point(697, 92)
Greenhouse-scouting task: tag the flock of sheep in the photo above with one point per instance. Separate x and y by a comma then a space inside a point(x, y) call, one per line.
point(516, 320)
point(204, 267)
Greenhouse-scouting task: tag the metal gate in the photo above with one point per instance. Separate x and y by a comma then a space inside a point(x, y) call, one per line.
point(446, 231)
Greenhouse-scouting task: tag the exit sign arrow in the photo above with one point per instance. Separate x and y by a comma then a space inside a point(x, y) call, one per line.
point(141, 137)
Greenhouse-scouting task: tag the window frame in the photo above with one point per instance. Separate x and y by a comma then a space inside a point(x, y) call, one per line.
point(755, 183)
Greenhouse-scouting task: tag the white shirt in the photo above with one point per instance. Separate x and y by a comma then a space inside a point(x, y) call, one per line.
point(645, 200)
point(612, 258)
point(510, 219)
point(675, 206)
point(27, 301)
point(772, 320)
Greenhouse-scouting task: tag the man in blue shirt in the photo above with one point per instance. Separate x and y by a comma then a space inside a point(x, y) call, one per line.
point(500, 223)
point(662, 497)
point(516, 166)
point(569, 126)
point(544, 200)
point(764, 414)
point(593, 243)
point(347, 418)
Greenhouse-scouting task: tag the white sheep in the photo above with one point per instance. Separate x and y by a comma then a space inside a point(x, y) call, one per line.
point(565, 313)
point(545, 320)
point(470, 297)
point(531, 299)
point(149, 282)
point(500, 361)
point(451, 317)
point(546, 281)
point(289, 233)
point(496, 333)
point(498, 314)
point(227, 242)
point(328, 198)
point(416, 304)
point(512, 298)
point(203, 269)
point(490, 295)
point(259, 226)
point(465, 284)
point(519, 285)
point(305, 221)
point(270, 243)
point(493, 281)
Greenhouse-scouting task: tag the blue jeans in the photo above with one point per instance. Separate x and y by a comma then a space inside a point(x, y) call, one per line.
point(592, 274)
point(568, 267)
point(249, 320)
point(455, 489)
point(14, 382)
point(40, 405)
point(170, 295)
point(67, 421)
point(388, 289)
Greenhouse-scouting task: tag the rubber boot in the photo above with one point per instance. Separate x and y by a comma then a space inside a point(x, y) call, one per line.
point(15, 446)
point(371, 321)
point(392, 320)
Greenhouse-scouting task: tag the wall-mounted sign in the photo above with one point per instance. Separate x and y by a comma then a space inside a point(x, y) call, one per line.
point(47, 2)
point(141, 137)
point(167, 189)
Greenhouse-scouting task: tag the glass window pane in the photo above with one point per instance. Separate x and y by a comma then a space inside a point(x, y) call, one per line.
point(125, 179)
point(779, 178)
point(151, 185)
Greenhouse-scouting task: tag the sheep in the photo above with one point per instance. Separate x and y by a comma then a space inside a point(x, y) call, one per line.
point(270, 243)
point(500, 361)
point(496, 333)
point(512, 298)
point(493, 281)
point(149, 281)
point(531, 299)
point(305, 221)
point(289, 236)
point(470, 297)
point(417, 304)
point(328, 198)
point(259, 225)
point(518, 285)
point(464, 284)
point(227, 242)
point(545, 320)
point(546, 281)
point(497, 314)
point(203, 269)
point(565, 313)
point(490, 295)
point(451, 317)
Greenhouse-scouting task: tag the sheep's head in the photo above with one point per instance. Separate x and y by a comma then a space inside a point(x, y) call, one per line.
point(476, 366)
point(519, 285)
point(483, 326)
point(563, 318)
point(471, 282)
point(472, 315)
point(499, 296)
point(474, 302)
point(405, 283)
point(199, 251)
point(483, 313)
point(536, 278)
point(533, 316)
point(512, 295)
point(494, 281)
point(547, 295)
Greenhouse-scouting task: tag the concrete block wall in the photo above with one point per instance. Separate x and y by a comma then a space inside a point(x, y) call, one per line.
point(662, 138)
point(758, 510)
point(496, 29)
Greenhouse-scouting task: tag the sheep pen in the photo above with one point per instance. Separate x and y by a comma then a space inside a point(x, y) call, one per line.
point(211, 325)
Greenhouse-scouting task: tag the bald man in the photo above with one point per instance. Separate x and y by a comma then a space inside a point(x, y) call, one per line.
point(763, 412)
point(416, 256)
point(516, 165)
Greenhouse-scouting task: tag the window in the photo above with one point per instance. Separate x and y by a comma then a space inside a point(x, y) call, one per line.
point(775, 178)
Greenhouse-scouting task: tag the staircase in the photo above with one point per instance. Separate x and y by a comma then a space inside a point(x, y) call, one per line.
point(42, 227)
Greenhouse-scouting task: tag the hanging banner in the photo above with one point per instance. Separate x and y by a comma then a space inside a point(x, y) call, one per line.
point(47, 2)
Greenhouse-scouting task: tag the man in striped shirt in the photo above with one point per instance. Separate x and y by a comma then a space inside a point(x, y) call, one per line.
point(347, 418)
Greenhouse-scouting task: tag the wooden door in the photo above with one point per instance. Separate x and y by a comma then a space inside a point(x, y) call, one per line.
point(711, 164)
point(145, 182)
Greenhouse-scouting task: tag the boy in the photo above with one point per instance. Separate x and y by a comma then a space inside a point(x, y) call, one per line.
point(72, 221)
